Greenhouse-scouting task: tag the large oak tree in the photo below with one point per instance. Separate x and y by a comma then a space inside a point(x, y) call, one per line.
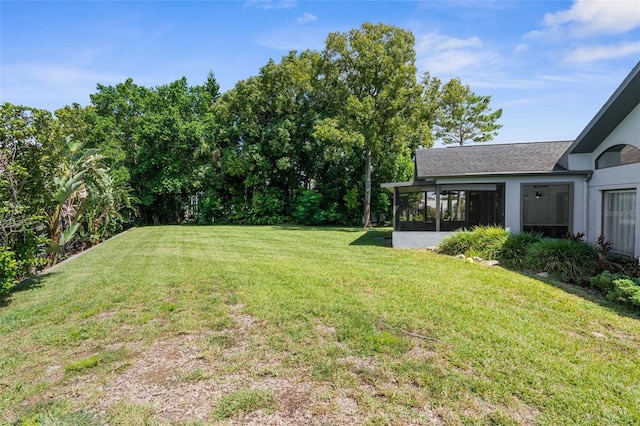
point(374, 68)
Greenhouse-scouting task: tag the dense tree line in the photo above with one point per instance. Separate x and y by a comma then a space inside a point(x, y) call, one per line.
point(309, 139)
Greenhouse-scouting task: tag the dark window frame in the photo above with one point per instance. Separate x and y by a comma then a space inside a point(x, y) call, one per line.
point(570, 213)
point(614, 155)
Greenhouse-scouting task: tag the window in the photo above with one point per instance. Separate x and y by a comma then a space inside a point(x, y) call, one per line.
point(452, 206)
point(416, 211)
point(618, 155)
point(546, 209)
point(619, 218)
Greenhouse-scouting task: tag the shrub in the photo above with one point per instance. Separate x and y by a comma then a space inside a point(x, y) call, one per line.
point(515, 248)
point(8, 270)
point(604, 280)
point(483, 241)
point(458, 242)
point(625, 290)
point(567, 260)
point(617, 263)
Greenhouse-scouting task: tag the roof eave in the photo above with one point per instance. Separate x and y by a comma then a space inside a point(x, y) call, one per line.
point(522, 173)
point(617, 107)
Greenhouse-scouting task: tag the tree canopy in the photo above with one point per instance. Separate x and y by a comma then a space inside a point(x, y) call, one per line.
point(464, 116)
point(374, 68)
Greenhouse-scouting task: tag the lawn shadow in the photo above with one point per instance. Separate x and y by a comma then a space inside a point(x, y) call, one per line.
point(589, 294)
point(374, 237)
point(295, 227)
point(30, 283)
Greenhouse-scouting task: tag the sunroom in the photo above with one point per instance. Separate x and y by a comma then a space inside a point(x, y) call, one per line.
point(517, 186)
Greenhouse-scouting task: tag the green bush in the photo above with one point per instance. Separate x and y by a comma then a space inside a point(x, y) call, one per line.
point(625, 290)
point(515, 249)
point(621, 264)
point(569, 261)
point(8, 270)
point(483, 241)
point(456, 243)
point(604, 280)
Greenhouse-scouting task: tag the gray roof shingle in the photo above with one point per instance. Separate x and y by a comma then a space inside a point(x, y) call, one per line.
point(532, 157)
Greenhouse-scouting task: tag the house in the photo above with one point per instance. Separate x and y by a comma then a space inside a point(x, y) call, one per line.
point(590, 185)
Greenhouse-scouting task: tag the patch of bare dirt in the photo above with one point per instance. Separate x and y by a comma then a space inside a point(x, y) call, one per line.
point(182, 380)
point(185, 377)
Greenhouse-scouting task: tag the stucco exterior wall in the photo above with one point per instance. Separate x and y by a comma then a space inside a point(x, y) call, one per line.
point(513, 195)
point(620, 177)
point(417, 239)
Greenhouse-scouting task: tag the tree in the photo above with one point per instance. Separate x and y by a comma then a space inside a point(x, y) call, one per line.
point(154, 138)
point(264, 156)
point(464, 116)
point(29, 155)
point(375, 77)
point(102, 213)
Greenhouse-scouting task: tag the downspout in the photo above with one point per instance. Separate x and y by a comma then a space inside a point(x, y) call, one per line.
point(585, 210)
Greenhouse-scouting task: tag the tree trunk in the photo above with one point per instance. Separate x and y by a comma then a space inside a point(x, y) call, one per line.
point(367, 189)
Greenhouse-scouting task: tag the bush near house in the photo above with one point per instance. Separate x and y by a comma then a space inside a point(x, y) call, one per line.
point(481, 241)
point(570, 260)
point(618, 287)
point(8, 271)
point(515, 249)
point(625, 290)
point(567, 260)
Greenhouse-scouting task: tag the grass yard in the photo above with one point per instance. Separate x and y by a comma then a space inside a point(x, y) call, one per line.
point(318, 326)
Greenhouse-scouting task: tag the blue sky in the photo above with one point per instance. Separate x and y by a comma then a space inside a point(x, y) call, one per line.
point(550, 65)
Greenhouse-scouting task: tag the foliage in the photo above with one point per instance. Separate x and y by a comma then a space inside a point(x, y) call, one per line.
point(458, 242)
point(8, 271)
point(303, 140)
point(463, 116)
point(514, 249)
point(482, 241)
point(53, 189)
point(577, 237)
point(564, 259)
point(618, 287)
point(625, 290)
point(375, 79)
point(29, 157)
point(309, 209)
point(608, 261)
point(604, 280)
point(156, 137)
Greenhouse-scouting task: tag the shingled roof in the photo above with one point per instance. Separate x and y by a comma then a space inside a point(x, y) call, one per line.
point(515, 158)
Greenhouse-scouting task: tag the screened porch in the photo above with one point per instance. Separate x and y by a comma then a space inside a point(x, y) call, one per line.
point(442, 208)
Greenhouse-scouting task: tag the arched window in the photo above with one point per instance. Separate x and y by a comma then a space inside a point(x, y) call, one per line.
point(618, 155)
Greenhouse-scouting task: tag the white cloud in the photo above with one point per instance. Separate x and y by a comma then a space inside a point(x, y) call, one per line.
point(444, 55)
point(293, 38)
point(439, 42)
point(271, 4)
point(51, 86)
point(594, 53)
point(306, 17)
point(58, 74)
point(520, 47)
point(589, 17)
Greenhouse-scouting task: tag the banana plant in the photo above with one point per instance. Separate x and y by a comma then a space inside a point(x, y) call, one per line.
point(81, 175)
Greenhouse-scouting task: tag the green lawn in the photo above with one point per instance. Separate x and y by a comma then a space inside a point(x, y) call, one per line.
point(294, 325)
